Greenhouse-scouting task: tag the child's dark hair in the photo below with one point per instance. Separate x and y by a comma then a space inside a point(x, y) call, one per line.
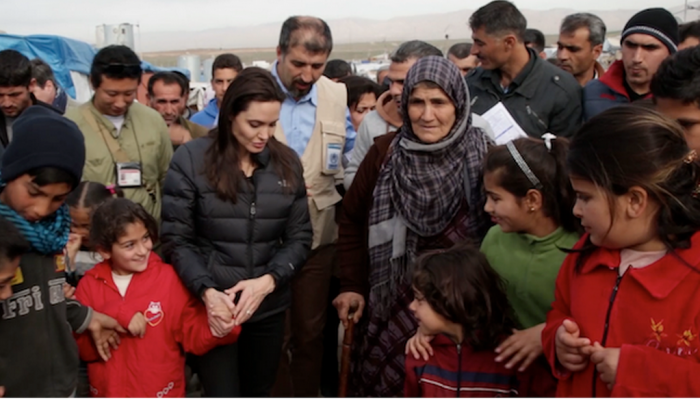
point(549, 166)
point(460, 285)
point(628, 146)
point(12, 242)
point(110, 219)
point(89, 195)
point(51, 175)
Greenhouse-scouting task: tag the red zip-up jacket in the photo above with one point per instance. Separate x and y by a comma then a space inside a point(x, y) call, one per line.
point(152, 366)
point(458, 371)
point(651, 313)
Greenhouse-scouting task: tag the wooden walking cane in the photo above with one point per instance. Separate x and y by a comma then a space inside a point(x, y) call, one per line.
point(347, 348)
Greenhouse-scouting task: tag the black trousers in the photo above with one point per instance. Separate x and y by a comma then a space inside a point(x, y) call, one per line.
point(247, 368)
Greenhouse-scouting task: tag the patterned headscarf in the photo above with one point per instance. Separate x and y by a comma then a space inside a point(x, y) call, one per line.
point(421, 187)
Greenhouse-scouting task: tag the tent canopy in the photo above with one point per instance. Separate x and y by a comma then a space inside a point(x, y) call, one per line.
point(63, 55)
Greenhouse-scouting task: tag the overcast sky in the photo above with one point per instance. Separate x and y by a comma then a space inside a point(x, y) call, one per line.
point(78, 18)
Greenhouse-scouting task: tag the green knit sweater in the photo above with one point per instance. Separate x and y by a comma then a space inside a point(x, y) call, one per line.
point(529, 265)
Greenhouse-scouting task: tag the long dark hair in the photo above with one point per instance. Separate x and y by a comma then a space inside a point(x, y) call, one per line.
point(631, 146)
point(222, 167)
point(460, 285)
point(549, 167)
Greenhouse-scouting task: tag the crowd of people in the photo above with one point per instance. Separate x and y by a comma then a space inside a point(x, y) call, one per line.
point(144, 242)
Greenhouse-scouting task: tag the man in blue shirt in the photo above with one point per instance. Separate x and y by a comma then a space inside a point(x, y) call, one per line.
point(315, 122)
point(224, 69)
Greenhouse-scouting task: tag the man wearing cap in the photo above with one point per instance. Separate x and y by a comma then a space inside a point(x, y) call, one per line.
point(648, 39)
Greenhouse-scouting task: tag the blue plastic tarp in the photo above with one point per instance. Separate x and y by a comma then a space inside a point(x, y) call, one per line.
point(64, 55)
point(148, 67)
point(61, 53)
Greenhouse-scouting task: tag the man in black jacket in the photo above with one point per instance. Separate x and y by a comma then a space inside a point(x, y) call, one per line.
point(539, 96)
point(16, 86)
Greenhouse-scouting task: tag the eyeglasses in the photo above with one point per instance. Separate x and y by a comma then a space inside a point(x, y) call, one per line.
point(118, 69)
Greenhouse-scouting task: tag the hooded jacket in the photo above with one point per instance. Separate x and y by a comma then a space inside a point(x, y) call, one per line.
point(213, 243)
point(457, 370)
point(606, 92)
point(652, 314)
point(152, 366)
point(207, 116)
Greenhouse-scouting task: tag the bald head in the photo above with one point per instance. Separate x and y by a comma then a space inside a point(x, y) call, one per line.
point(310, 32)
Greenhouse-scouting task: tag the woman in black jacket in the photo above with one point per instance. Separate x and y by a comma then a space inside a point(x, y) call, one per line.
point(236, 228)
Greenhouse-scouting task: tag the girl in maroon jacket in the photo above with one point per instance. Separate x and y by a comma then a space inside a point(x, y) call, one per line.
point(461, 300)
point(145, 296)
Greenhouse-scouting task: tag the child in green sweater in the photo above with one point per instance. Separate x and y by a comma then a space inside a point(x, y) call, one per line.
point(530, 198)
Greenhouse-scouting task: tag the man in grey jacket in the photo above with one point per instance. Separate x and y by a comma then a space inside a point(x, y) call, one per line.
point(387, 118)
point(540, 97)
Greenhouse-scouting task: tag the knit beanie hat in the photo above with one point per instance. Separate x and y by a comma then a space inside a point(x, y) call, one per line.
point(43, 138)
point(656, 22)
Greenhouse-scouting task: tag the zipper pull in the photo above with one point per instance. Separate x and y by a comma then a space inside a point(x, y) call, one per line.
point(459, 349)
point(252, 210)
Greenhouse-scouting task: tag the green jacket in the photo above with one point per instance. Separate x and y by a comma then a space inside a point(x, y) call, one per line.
point(529, 265)
point(142, 126)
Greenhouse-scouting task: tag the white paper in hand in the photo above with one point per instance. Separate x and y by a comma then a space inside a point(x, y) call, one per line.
point(503, 124)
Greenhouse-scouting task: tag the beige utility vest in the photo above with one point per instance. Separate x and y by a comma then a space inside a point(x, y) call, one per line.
point(329, 129)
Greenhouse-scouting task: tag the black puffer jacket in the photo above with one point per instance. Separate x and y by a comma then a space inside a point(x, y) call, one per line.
point(215, 244)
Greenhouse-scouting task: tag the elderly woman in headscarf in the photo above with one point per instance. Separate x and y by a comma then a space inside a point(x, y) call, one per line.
point(417, 189)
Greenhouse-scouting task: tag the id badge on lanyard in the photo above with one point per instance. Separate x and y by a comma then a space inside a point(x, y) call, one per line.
point(333, 154)
point(129, 174)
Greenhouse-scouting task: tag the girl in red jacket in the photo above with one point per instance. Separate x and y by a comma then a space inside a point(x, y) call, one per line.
point(626, 315)
point(145, 295)
point(461, 301)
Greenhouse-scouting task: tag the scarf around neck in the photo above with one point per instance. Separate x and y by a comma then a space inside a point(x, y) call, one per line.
point(421, 187)
point(47, 236)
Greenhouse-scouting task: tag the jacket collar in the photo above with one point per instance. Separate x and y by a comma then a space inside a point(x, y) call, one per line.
point(525, 83)
point(544, 243)
point(103, 270)
point(614, 78)
point(599, 70)
point(659, 278)
point(103, 120)
point(263, 157)
point(212, 108)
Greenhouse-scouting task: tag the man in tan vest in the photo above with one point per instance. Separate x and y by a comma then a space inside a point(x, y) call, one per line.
point(314, 122)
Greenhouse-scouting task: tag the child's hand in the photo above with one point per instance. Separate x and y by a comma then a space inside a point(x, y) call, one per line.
point(569, 347)
point(223, 313)
point(525, 346)
point(137, 325)
point(73, 246)
point(419, 346)
point(68, 291)
point(606, 361)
